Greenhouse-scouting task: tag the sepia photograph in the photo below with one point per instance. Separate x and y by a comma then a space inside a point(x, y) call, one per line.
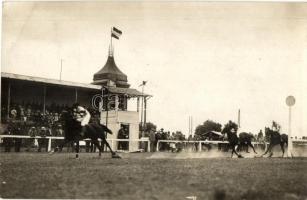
point(157, 100)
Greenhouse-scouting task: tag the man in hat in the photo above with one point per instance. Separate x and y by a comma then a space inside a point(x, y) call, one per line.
point(81, 115)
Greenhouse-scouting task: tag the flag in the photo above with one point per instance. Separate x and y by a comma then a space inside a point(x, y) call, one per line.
point(143, 83)
point(116, 33)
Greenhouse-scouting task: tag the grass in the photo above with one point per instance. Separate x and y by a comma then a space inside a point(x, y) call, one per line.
point(40, 175)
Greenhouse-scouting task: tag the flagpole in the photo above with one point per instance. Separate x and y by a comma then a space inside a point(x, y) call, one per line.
point(111, 47)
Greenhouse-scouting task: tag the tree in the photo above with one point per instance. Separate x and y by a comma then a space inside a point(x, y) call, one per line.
point(148, 126)
point(207, 126)
point(229, 126)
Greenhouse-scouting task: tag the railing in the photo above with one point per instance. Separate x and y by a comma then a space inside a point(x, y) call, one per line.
point(50, 138)
point(200, 142)
point(190, 141)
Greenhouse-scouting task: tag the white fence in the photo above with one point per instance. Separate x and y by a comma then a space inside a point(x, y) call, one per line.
point(112, 142)
point(200, 142)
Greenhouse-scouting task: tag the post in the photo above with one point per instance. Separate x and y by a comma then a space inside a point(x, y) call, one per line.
point(76, 95)
point(199, 146)
point(239, 119)
point(142, 111)
point(192, 127)
point(157, 148)
point(148, 146)
point(145, 108)
point(8, 100)
point(290, 144)
point(138, 104)
point(44, 101)
point(116, 103)
point(49, 144)
point(290, 101)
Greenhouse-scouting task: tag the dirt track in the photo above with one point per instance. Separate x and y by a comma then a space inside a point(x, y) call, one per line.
point(39, 175)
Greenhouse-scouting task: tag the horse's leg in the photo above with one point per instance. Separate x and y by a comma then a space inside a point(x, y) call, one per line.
point(239, 155)
point(77, 148)
point(60, 145)
point(96, 143)
point(246, 146)
point(112, 152)
point(250, 144)
point(271, 151)
point(108, 145)
point(268, 149)
point(234, 151)
point(282, 148)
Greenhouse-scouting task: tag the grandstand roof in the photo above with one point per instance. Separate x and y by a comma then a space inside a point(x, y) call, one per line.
point(49, 81)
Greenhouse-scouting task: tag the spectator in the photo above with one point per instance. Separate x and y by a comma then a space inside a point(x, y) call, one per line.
point(43, 141)
point(32, 133)
point(122, 134)
point(7, 142)
point(152, 140)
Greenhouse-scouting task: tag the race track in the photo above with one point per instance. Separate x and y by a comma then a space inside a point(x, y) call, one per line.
point(150, 176)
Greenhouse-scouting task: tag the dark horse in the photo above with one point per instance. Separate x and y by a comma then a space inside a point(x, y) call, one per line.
point(275, 139)
point(72, 132)
point(245, 140)
point(230, 129)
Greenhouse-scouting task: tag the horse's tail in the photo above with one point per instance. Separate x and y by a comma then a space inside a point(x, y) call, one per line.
point(104, 128)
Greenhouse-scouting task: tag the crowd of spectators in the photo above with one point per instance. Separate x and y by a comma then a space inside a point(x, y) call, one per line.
point(155, 136)
point(33, 120)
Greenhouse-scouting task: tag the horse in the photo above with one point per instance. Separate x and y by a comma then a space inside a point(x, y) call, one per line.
point(245, 140)
point(275, 139)
point(72, 131)
point(233, 141)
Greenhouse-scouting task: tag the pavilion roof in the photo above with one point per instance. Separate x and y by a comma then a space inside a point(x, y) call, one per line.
point(127, 91)
point(49, 81)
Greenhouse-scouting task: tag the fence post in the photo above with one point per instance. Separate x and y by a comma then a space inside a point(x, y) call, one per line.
point(157, 148)
point(148, 146)
point(49, 144)
point(199, 146)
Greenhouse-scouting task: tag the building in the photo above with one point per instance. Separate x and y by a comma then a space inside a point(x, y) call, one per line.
point(116, 94)
point(42, 94)
point(48, 95)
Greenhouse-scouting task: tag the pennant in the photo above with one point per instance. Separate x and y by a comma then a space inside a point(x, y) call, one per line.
point(116, 33)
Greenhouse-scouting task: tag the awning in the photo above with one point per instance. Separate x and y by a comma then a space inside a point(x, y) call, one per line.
point(127, 91)
point(214, 132)
point(49, 81)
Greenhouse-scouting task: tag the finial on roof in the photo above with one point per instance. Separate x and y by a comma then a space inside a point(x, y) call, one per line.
point(111, 50)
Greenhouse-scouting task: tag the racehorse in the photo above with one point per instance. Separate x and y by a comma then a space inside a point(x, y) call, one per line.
point(233, 140)
point(72, 132)
point(275, 139)
point(245, 140)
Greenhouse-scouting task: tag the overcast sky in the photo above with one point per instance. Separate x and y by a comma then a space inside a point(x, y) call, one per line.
point(201, 59)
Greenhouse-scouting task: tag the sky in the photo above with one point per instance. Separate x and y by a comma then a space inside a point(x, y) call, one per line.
point(201, 59)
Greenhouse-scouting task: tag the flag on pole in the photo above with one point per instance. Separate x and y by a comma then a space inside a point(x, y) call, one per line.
point(116, 33)
point(143, 83)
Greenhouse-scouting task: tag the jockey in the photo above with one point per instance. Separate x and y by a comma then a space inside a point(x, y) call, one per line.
point(81, 115)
